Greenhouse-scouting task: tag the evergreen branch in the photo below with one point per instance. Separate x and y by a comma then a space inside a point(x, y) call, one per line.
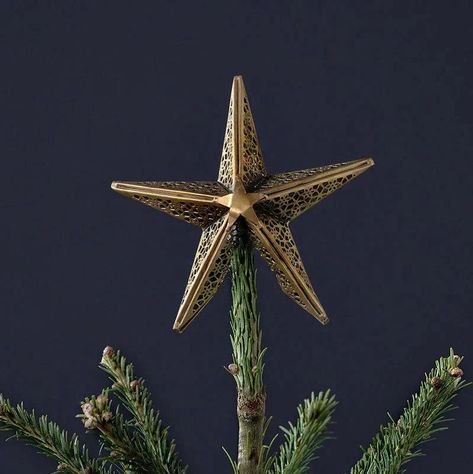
point(306, 436)
point(266, 459)
point(114, 432)
point(155, 451)
point(233, 463)
point(398, 442)
point(247, 367)
point(49, 439)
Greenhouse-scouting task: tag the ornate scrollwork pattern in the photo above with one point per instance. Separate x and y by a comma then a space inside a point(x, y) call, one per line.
point(192, 201)
point(241, 154)
point(211, 264)
point(276, 245)
point(246, 195)
point(300, 194)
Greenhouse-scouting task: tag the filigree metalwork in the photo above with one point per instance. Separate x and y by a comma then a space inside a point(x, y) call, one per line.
point(244, 192)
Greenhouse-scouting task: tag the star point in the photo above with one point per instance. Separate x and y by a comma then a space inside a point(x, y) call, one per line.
point(244, 190)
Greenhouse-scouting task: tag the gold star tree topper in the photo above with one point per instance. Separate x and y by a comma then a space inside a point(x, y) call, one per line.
point(244, 191)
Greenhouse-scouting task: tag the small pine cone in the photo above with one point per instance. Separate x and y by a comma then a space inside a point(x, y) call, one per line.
point(87, 409)
point(134, 384)
point(101, 401)
point(90, 423)
point(436, 382)
point(108, 352)
point(456, 372)
point(107, 416)
point(233, 369)
point(62, 466)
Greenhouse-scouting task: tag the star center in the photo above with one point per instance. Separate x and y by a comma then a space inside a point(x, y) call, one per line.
point(240, 203)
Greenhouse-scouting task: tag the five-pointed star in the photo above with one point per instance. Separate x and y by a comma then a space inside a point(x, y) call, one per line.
point(244, 190)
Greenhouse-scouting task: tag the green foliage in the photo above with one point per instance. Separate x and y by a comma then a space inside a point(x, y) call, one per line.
point(398, 442)
point(266, 458)
point(136, 443)
point(247, 367)
point(154, 451)
point(306, 436)
point(114, 431)
point(49, 439)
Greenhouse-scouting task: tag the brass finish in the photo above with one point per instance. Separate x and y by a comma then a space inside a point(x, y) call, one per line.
point(245, 191)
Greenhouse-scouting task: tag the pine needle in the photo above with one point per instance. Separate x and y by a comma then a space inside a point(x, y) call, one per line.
point(306, 436)
point(152, 449)
point(245, 323)
point(398, 442)
point(49, 439)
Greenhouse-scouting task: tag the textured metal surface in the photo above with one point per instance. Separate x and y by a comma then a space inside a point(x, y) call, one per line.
point(244, 191)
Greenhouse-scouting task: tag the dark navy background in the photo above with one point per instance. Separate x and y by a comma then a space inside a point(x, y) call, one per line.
point(96, 91)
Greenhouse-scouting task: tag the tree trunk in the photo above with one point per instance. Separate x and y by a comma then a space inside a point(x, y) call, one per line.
point(250, 412)
point(247, 367)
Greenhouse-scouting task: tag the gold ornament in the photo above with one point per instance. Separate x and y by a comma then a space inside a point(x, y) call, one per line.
point(245, 192)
